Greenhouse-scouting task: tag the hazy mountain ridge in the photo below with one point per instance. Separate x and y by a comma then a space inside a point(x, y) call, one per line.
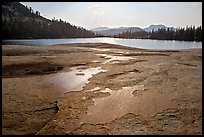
point(115, 31)
point(156, 27)
point(100, 29)
point(22, 22)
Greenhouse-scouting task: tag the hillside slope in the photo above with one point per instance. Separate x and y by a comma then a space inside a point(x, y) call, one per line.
point(21, 22)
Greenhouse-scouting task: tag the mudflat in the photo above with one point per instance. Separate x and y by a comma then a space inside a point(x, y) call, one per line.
point(97, 88)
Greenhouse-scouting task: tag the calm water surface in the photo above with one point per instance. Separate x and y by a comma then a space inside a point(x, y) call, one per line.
point(74, 80)
point(137, 43)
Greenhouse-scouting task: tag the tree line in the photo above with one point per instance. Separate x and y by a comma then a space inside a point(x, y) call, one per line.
point(22, 22)
point(187, 33)
point(21, 10)
point(26, 23)
point(31, 28)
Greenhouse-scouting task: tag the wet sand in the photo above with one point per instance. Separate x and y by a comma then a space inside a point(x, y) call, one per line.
point(98, 89)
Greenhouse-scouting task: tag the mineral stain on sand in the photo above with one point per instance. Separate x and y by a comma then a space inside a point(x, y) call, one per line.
point(121, 102)
point(74, 80)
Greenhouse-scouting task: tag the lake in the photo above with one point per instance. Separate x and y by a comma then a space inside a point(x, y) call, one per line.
point(137, 43)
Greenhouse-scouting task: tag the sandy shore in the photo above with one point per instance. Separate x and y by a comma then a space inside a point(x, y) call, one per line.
point(123, 90)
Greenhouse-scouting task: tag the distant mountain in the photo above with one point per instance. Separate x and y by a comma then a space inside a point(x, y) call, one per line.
point(156, 27)
point(122, 27)
point(22, 22)
point(105, 31)
point(115, 31)
point(100, 29)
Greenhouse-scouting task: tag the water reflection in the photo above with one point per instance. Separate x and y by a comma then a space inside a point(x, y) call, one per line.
point(121, 102)
point(136, 43)
point(74, 80)
point(107, 40)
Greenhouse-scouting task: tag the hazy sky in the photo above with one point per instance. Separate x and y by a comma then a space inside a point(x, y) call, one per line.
point(116, 14)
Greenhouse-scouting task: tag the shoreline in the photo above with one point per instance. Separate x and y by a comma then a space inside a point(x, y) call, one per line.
point(95, 43)
point(166, 73)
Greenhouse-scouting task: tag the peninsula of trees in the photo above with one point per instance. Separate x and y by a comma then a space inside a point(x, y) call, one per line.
point(181, 34)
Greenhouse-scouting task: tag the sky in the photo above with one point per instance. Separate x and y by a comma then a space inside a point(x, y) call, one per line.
point(127, 14)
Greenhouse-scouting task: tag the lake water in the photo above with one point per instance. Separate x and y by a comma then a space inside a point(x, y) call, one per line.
point(137, 43)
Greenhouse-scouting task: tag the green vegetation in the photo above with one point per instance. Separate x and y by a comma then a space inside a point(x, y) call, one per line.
point(17, 29)
point(20, 22)
point(182, 34)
